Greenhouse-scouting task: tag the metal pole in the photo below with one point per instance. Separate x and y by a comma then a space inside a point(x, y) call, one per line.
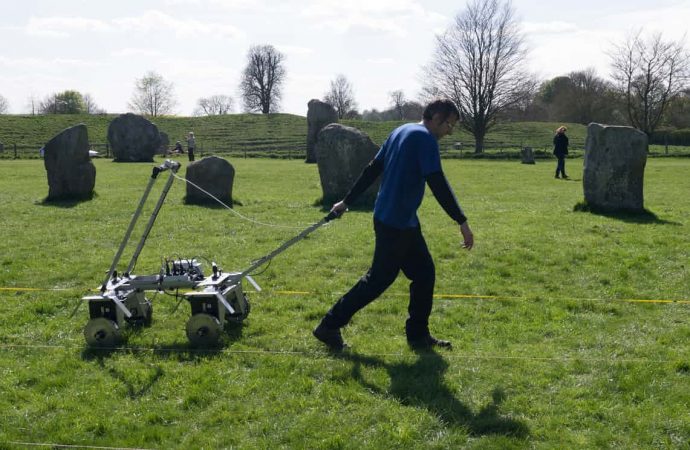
point(167, 165)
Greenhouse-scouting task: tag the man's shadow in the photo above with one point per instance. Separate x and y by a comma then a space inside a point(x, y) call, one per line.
point(420, 384)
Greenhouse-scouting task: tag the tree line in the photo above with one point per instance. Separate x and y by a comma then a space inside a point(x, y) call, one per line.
point(479, 63)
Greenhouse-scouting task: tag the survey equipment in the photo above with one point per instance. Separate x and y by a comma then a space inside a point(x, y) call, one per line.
point(215, 299)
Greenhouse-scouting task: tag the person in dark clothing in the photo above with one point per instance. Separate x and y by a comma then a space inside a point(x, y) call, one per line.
point(407, 161)
point(560, 149)
point(191, 145)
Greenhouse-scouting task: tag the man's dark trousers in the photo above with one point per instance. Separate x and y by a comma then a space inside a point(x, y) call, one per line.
point(395, 250)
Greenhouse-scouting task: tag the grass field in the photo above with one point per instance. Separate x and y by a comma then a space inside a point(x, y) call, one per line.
point(570, 329)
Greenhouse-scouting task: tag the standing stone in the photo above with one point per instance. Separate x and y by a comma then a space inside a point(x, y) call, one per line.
point(319, 115)
point(341, 155)
point(71, 174)
point(615, 158)
point(133, 138)
point(212, 174)
point(165, 143)
point(527, 155)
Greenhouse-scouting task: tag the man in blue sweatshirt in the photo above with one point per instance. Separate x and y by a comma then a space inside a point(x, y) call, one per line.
point(407, 161)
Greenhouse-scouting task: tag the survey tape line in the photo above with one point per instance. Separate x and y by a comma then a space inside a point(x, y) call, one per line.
point(344, 355)
point(398, 294)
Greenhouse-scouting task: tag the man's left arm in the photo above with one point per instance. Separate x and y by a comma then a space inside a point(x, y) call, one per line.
point(446, 198)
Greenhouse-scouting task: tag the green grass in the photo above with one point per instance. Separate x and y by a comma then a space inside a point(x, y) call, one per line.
point(553, 348)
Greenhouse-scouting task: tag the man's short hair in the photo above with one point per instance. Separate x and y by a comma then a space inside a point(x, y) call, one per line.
point(444, 107)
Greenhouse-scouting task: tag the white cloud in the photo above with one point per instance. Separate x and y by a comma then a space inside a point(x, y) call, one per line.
point(130, 52)
point(159, 22)
point(64, 26)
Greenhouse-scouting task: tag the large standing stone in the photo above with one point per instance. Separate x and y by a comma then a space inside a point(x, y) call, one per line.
point(341, 154)
point(615, 158)
point(165, 143)
point(319, 114)
point(133, 138)
point(527, 155)
point(71, 174)
point(212, 174)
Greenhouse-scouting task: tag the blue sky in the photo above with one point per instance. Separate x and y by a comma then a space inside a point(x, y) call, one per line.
point(101, 48)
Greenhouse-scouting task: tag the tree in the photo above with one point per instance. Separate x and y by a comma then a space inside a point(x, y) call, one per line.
point(649, 73)
point(341, 97)
point(66, 102)
point(478, 64)
point(214, 105)
point(263, 79)
point(580, 97)
point(90, 106)
point(398, 102)
point(153, 95)
point(4, 105)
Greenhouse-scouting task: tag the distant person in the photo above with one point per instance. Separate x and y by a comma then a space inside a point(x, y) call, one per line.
point(191, 145)
point(560, 149)
point(407, 162)
point(42, 151)
point(178, 148)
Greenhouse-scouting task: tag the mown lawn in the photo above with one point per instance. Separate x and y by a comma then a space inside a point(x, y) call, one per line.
point(570, 329)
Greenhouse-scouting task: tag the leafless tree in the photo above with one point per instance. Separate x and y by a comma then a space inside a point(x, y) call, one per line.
point(153, 95)
point(214, 105)
point(4, 105)
point(649, 74)
point(341, 97)
point(478, 63)
point(398, 102)
point(262, 79)
point(90, 106)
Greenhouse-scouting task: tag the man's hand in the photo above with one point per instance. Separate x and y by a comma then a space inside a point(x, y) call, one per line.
point(467, 236)
point(339, 208)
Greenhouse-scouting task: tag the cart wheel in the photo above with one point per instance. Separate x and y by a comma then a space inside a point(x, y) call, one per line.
point(239, 317)
point(148, 316)
point(102, 332)
point(203, 330)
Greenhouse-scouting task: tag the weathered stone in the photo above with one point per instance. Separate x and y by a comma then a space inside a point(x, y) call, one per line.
point(212, 174)
point(133, 138)
point(319, 114)
point(71, 174)
point(615, 158)
point(341, 155)
point(527, 155)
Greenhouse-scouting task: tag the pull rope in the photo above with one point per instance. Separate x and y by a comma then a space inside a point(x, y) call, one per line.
point(232, 210)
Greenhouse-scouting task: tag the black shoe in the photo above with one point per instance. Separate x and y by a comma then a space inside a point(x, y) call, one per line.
point(329, 336)
point(556, 176)
point(428, 342)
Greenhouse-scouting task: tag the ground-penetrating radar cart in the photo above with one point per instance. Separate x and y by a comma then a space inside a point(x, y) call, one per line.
point(215, 300)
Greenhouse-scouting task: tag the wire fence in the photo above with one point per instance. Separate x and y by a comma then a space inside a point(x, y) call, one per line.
point(449, 150)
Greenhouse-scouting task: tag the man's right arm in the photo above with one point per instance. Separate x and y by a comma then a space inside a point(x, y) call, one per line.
point(370, 173)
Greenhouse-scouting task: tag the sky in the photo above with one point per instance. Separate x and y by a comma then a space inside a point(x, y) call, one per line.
point(101, 48)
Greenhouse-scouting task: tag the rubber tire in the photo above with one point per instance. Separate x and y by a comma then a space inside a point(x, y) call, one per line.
point(103, 333)
point(203, 330)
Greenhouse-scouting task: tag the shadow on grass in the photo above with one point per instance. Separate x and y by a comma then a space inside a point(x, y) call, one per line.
point(642, 217)
point(420, 384)
point(66, 202)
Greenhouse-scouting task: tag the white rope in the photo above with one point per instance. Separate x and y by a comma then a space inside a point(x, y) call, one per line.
point(232, 210)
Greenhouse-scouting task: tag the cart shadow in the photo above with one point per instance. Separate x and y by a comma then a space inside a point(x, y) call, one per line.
point(421, 385)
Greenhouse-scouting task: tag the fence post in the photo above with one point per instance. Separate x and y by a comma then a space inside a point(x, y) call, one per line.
point(15, 151)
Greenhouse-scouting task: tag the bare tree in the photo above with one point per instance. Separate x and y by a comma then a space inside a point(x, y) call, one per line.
point(649, 73)
point(398, 102)
point(341, 97)
point(90, 106)
point(153, 95)
point(214, 105)
point(4, 105)
point(262, 79)
point(478, 64)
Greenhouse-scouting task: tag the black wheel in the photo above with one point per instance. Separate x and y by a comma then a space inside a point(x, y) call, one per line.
point(203, 330)
point(148, 316)
point(102, 332)
point(239, 316)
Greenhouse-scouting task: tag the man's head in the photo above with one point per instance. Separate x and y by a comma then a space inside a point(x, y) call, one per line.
point(440, 116)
